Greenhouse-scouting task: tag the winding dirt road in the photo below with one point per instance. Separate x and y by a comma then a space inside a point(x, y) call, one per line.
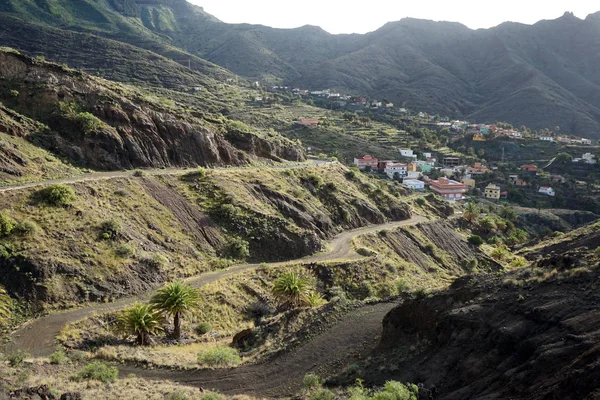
point(346, 342)
point(38, 337)
point(98, 176)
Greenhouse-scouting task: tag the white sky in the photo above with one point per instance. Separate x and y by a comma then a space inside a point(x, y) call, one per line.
point(361, 16)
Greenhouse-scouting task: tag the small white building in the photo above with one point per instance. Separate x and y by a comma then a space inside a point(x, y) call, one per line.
point(396, 168)
point(413, 174)
point(427, 156)
point(587, 158)
point(586, 141)
point(414, 184)
point(547, 138)
point(547, 190)
point(407, 153)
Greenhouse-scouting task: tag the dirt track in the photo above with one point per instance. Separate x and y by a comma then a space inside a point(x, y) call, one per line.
point(342, 344)
point(38, 336)
point(98, 176)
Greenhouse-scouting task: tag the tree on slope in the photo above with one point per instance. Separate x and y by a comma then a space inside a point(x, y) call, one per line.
point(291, 289)
point(141, 321)
point(176, 299)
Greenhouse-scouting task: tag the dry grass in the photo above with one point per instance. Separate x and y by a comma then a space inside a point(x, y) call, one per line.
point(58, 379)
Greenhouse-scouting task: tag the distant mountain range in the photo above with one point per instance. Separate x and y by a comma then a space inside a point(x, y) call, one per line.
point(542, 75)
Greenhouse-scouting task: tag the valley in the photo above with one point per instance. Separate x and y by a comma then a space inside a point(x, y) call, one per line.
point(191, 209)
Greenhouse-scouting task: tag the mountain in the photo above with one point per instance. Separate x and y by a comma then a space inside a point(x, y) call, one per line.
point(540, 75)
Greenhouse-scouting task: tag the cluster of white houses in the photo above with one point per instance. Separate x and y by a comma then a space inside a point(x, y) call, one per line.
point(410, 173)
point(413, 175)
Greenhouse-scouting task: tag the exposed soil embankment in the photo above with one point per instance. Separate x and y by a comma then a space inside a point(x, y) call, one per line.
point(106, 126)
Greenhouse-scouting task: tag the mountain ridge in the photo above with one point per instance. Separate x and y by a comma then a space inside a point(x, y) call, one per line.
point(541, 75)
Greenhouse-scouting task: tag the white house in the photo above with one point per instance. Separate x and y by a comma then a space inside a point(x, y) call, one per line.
point(407, 153)
point(413, 174)
point(427, 156)
point(400, 168)
point(586, 141)
point(414, 184)
point(403, 110)
point(547, 190)
point(547, 138)
point(587, 158)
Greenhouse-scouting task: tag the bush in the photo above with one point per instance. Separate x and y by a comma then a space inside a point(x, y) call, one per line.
point(420, 201)
point(237, 248)
point(397, 391)
point(7, 224)
point(322, 394)
point(518, 262)
point(203, 328)
point(178, 395)
point(14, 93)
point(89, 123)
point(470, 264)
point(16, 358)
point(500, 253)
point(57, 195)
point(199, 173)
point(219, 357)
point(97, 371)
point(138, 173)
point(311, 381)
point(366, 252)
point(258, 310)
point(59, 357)
point(475, 240)
point(26, 228)
point(314, 300)
point(211, 396)
point(111, 229)
point(124, 251)
point(157, 261)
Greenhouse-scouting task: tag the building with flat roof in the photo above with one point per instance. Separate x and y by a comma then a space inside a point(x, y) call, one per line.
point(449, 189)
point(414, 184)
point(492, 192)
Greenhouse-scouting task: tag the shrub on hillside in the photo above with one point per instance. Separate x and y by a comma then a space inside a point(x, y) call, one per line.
point(237, 248)
point(219, 357)
point(203, 328)
point(124, 251)
point(59, 357)
point(110, 229)
point(311, 381)
point(16, 358)
point(475, 240)
point(314, 300)
point(97, 371)
point(420, 201)
point(7, 224)
point(26, 228)
point(57, 195)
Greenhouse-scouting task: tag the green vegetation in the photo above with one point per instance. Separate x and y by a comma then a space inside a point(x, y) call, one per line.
point(139, 321)
point(5, 306)
point(176, 299)
point(475, 240)
point(219, 357)
point(7, 224)
point(58, 195)
point(203, 328)
point(110, 229)
point(97, 371)
point(16, 358)
point(59, 357)
point(291, 289)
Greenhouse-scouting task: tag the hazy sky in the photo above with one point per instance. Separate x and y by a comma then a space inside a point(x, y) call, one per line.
point(360, 16)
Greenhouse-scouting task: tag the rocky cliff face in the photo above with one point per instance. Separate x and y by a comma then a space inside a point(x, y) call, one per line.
point(106, 126)
point(532, 334)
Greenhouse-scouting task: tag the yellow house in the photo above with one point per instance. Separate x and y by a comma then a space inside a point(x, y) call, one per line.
point(468, 182)
point(492, 192)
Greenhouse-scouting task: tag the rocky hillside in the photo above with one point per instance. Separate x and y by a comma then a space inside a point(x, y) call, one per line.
point(541, 75)
point(531, 334)
point(123, 236)
point(102, 125)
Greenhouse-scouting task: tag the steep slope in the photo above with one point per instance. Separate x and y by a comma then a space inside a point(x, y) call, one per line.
point(531, 334)
point(124, 236)
point(541, 75)
point(102, 125)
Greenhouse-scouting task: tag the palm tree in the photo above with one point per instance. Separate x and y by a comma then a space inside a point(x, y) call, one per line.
point(176, 299)
point(290, 289)
point(5, 306)
point(471, 212)
point(141, 321)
